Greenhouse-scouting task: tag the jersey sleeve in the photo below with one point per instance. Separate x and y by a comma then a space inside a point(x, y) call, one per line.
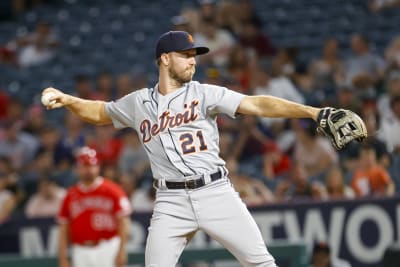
point(63, 214)
point(121, 111)
point(221, 100)
point(122, 206)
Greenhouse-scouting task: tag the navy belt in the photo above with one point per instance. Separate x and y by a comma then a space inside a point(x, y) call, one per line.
point(193, 183)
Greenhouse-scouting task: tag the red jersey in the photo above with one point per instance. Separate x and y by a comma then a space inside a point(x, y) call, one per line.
point(92, 212)
point(371, 181)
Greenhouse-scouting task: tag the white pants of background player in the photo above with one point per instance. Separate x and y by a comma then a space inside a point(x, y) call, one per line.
point(217, 210)
point(102, 255)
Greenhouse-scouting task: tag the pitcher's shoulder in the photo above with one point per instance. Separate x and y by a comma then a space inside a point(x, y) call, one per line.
point(144, 91)
point(197, 84)
point(139, 93)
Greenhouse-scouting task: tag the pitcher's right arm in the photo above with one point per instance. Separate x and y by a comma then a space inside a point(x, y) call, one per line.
point(91, 111)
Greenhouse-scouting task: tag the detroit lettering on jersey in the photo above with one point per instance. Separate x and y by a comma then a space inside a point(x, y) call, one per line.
point(165, 121)
point(91, 202)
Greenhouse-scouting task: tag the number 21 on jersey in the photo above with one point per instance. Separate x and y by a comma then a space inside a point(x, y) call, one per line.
point(188, 143)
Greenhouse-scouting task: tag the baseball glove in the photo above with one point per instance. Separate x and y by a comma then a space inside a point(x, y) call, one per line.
point(341, 126)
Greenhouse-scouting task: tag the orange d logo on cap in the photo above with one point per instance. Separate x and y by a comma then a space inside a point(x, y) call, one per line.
point(190, 38)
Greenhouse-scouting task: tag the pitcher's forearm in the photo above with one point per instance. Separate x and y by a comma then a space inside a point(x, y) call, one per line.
point(280, 108)
point(274, 107)
point(91, 111)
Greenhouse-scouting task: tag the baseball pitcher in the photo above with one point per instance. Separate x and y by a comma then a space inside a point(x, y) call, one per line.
point(176, 121)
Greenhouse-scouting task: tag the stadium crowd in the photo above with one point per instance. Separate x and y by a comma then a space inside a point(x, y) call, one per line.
point(269, 160)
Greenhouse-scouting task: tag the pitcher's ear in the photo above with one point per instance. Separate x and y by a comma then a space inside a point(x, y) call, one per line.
point(164, 59)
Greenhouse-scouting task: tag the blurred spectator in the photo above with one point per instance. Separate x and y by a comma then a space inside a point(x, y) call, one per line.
point(74, 134)
point(392, 90)
point(225, 144)
point(312, 151)
point(325, 70)
point(285, 62)
point(392, 53)
point(18, 145)
point(133, 158)
point(46, 201)
point(71, 137)
point(143, 199)
point(207, 9)
point(181, 23)
point(15, 109)
point(105, 87)
point(251, 142)
point(299, 186)
point(35, 120)
point(8, 200)
point(49, 138)
point(279, 86)
point(124, 85)
point(255, 151)
point(37, 47)
point(139, 79)
point(370, 178)
point(364, 65)
point(349, 155)
point(372, 121)
point(246, 11)
point(42, 164)
point(110, 171)
point(213, 76)
point(390, 127)
point(4, 102)
point(265, 83)
point(276, 163)
point(321, 257)
point(346, 98)
point(378, 5)
point(50, 141)
point(8, 54)
point(240, 68)
point(336, 186)
point(127, 183)
point(252, 191)
point(218, 40)
point(83, 87)
point(227, 17)
point(107, 145)
point(23, 5)
point(193, 19)
point(93, 218)
point(252, 37)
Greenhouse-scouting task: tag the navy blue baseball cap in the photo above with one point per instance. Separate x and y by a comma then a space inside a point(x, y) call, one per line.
point(176, 41)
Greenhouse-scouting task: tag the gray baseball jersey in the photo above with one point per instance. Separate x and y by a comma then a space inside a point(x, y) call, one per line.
point(179, 130)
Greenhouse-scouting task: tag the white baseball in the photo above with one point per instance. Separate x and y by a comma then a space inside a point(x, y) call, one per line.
point(46, 99)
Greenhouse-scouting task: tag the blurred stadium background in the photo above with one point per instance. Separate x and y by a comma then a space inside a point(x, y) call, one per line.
point(342, 53)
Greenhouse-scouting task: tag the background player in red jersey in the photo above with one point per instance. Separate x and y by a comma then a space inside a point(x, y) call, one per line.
point(94, 218)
